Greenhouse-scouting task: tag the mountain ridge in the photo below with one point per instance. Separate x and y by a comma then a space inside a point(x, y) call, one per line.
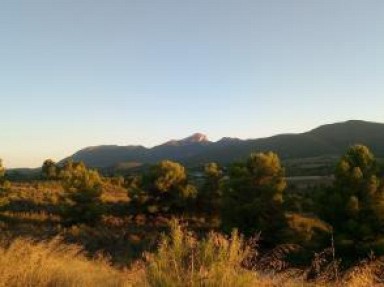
point(325, 140)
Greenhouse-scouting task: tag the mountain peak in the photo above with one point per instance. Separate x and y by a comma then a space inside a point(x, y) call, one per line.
point(193, 139)
point(196, 138)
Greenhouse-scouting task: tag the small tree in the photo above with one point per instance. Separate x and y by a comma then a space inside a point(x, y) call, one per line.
point(4, 184)
point(252, 200)
point(83, 189)
point(2, 170)
point(49, 169)
point(165, 188)
point(210, 195)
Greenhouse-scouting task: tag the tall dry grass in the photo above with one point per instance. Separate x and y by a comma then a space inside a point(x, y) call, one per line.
point(181, 260)
point(26, 263)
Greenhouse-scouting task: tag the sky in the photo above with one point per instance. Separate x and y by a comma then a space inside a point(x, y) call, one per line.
point(78, 73)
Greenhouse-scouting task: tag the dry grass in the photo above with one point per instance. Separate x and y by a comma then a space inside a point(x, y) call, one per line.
point(114, 193)
point(183, 261)
point(180, 261)
point(26, 263)
point(49, 192)
point(39, 216)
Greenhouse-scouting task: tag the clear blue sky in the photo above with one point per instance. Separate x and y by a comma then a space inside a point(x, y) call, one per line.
point(75, 73)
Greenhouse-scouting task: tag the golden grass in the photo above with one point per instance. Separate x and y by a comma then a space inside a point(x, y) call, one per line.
point(40, 216)
point(42, 192)
point(180, 261)
point(113, 194)
point(27, 263)
point(183, 261)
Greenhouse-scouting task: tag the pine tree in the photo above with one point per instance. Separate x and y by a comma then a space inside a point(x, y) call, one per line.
point(354, 205)
point(252, 200)
point(165, 188)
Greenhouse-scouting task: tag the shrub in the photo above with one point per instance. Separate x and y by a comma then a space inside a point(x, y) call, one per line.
point(83, 190)
point(164, 188)
point(6, 186)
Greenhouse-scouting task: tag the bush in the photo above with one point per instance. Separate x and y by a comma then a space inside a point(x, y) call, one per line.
point(83, 189)
point(6, 185)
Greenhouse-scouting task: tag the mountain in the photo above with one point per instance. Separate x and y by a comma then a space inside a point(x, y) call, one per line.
point(325, 141)
point(109, 155)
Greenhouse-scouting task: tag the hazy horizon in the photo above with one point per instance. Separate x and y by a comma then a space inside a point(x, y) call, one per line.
point(85, 73)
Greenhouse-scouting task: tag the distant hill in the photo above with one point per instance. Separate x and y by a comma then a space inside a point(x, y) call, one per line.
point(325, 141)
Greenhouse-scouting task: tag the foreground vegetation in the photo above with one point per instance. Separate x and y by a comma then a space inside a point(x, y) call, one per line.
point(239, 225)
point(180, 260)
